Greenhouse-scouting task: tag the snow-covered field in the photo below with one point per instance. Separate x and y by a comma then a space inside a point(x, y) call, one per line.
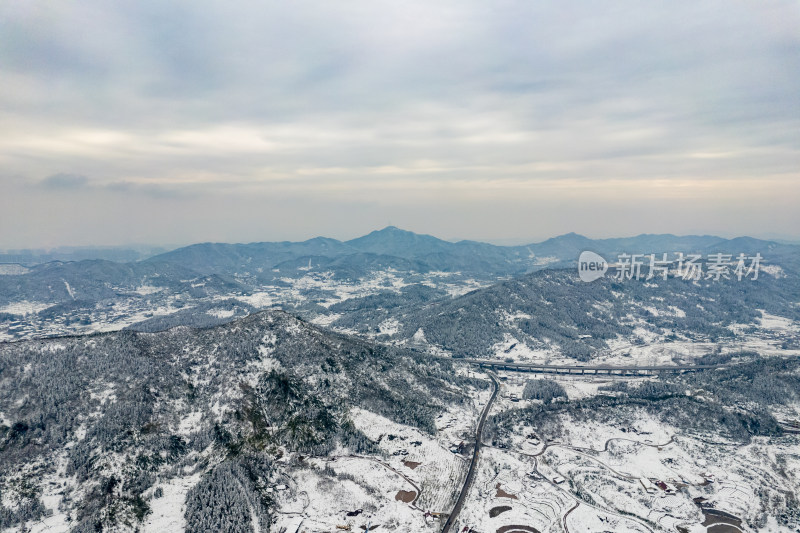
point(414, 473)
point(146, 301)
point(645, 348)
point(167, 512)
point(592, 477)
point(633, 473)
point(12, 269)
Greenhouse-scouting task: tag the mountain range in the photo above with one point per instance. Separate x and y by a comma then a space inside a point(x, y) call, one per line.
point(59, 296)
point(406, 249)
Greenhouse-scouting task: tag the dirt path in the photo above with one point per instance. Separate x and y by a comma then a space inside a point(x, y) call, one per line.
point(572, 496)
point(388, 467)
point(626, 439)
point(566, 527)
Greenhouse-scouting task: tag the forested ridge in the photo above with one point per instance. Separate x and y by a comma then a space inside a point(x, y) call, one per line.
point(112, 415)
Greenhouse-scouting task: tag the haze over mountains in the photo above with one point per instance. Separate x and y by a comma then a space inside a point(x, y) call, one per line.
point(221, 281)
point(178, 355)
point(393, 247)
point(79, 253)
point(426, 252)
point(255, 387)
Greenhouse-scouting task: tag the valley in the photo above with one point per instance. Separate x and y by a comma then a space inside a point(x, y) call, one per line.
point(387, 394)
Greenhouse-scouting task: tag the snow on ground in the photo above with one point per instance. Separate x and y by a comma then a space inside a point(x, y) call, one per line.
point(189, 423)
point(509, 318)
point(259, 300)
point(320, 501)
point(767, 466)
point(774, 270)
point(104, 393)
point(111, 318)
point(647, 348)
point(601, 465)
point(424, 466)
point(586, 518)
point(390, 326)
point(328, 290)
point(623, 351)
point(12, 269)
point(519, 351)
point(221, 313)
point(453, 288)
point(54, 485)
point(533, 503)
point(146, 290)
point(576, 386)
point(779, 323)
point(340, 290)
point(326, 320)
point(69, 289)
point(596, 474)
point(437, 470)
point(616, 491)
point(167, 512)
point(589, 433)
point(24, 308)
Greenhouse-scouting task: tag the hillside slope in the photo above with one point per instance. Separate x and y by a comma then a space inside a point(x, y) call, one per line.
point(92, 427)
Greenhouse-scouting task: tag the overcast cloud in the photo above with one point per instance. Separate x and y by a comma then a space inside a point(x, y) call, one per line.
point(175, 122)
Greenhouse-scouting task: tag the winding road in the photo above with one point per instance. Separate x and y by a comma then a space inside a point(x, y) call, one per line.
point(451, 520)
point(474, 463)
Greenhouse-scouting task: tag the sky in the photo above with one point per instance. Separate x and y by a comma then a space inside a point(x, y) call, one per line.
point(190, 121)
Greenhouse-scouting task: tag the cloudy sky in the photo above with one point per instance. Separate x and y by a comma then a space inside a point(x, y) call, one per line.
point(176, 122)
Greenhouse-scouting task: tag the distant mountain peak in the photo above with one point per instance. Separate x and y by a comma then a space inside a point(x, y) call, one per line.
point(570, 237)
point(394, 229)
point(573, 236)
point(392, 233)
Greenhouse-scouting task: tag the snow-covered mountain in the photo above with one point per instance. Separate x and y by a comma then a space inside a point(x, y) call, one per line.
point(95, 430)
point(198, 285)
